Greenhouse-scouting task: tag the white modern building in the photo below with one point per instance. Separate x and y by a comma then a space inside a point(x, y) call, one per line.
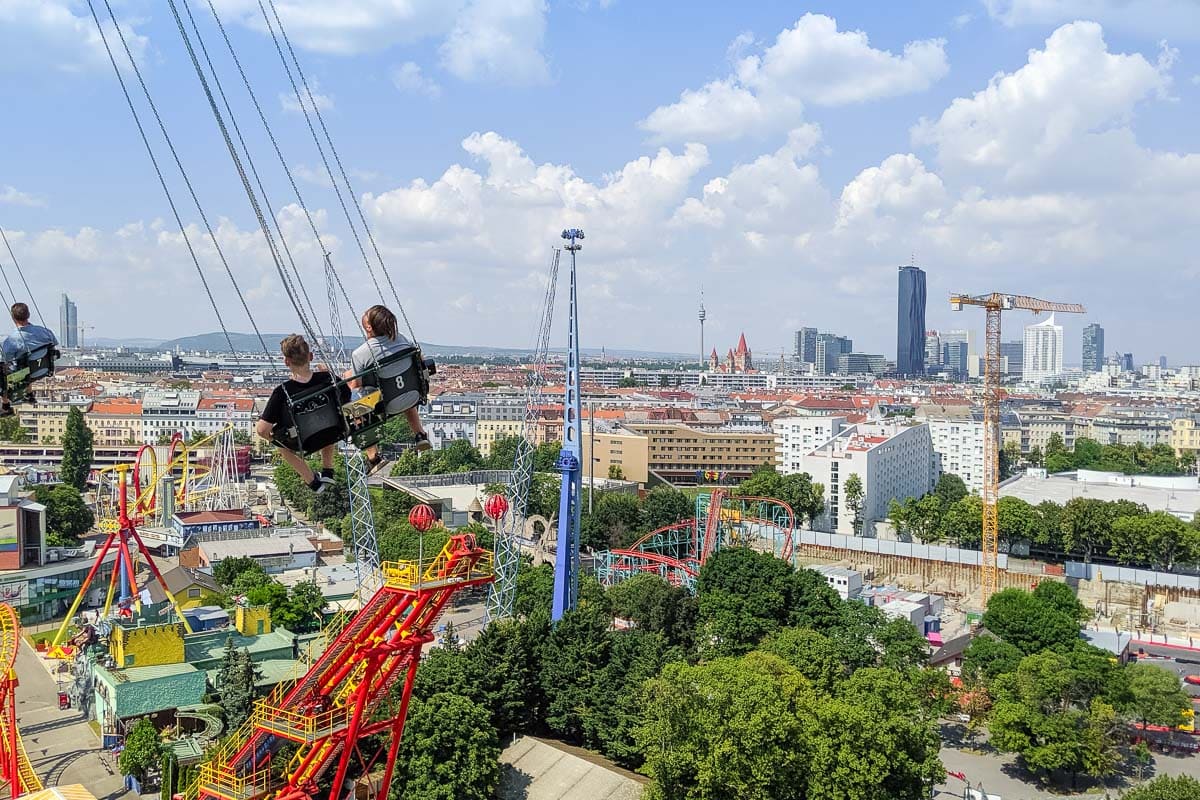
point(894, 460)
point(958, 450)
point(797, 436)
point(165, 411)
point(1043, 351)
point(848, 583)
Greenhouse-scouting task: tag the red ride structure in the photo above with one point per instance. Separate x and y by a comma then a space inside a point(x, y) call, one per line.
point(342, 699)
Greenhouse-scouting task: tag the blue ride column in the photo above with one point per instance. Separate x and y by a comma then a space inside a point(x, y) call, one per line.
point(566, 561)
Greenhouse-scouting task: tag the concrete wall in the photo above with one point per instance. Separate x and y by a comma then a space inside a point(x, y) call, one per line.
point(134, 697)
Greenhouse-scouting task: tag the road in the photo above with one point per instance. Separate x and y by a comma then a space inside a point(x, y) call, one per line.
point(999, 776)
point(61, 745)
point(1180, 660)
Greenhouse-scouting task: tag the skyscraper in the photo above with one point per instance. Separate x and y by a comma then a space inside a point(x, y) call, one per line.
point(806, 345)
point(68, 324)
point(1012, 357)
point(910, 322)
point(933, 349)
point(954, 357)
point(1043, 351)
point(827, 348)
point(1093, 348)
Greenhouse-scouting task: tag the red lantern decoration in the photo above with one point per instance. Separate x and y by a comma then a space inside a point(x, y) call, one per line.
point(496, 506)
point(422, 517)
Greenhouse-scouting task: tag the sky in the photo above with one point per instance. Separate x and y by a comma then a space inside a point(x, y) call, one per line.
point(784, 158)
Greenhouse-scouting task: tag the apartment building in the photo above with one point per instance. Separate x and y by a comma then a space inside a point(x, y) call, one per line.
point(958, 450)
point(685, 456)
point(214, 413)
point(1185, 434)
point(893, 459)
point(45, 423)
point(115, 422)
point(797, 436)
point(606, 448)
point(165, 411)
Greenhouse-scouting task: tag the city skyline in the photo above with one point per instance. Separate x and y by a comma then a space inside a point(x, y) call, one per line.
point(910, 321)
point(671, 173)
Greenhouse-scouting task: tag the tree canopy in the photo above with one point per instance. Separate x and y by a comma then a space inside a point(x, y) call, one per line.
point(450, 751)
point(77, 451)
point(67, 515)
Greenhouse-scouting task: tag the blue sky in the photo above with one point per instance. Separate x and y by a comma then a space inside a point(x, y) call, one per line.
point(785, 157)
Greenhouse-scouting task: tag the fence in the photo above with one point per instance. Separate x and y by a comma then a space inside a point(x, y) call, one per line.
point(891, 547)
point(1143, 577)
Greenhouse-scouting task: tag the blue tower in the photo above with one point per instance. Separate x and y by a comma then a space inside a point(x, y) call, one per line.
point(570, 458)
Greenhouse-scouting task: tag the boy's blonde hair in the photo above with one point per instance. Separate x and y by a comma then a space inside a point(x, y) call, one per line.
point(295, 350)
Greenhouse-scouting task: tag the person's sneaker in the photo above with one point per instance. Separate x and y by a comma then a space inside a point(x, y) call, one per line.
point(321, 483)
point(422, 443)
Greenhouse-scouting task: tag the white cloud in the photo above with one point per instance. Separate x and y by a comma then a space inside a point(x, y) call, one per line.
point(498, 40)
point(1152, 18)
point(485, 40)
point(408, 77)
point(12, 196)
point(962, 20)
point(289, 103)
point(40, 34)
point(810, 63)
point(1033, 184)
point(1070, 102)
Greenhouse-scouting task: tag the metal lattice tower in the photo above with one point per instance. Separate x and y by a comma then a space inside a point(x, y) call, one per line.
point(509, 531)
point(223, 470)
point(362, 527)
point(570, 459)
point(337, 347)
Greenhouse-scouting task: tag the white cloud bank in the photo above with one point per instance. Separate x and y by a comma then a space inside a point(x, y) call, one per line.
point(1034, 183)
point(810, 63)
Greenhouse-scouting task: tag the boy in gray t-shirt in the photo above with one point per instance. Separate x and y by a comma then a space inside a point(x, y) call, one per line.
point(379, 324)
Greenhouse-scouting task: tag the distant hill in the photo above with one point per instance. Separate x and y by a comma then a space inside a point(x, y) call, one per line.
point(248, 343)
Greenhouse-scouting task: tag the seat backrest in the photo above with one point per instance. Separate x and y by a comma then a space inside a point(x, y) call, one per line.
point(401, 380)
point(39, 361)
point(317, 418)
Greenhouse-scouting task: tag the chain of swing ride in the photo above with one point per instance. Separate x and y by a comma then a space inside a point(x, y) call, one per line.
point(285, 264)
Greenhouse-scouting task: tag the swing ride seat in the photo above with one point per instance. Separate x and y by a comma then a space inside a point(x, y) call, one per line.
point(318, 417)
point(32, 365)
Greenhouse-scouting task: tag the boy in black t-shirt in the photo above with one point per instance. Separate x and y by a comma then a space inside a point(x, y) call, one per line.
point(298, 358)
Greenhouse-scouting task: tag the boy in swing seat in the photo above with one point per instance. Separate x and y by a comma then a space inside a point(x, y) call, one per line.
point(298, 357)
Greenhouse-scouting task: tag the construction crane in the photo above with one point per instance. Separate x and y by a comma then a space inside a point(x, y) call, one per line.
point(995, 304)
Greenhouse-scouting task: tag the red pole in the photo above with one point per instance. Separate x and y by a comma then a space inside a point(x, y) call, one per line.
point(398, 725)
point(356, 715)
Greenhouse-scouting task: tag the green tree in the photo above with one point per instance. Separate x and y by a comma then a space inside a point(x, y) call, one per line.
point(950, 489)
point(1058, 458)
point(229, 573)
point(987, 658)
point(450, 751)
point(1016, 519)
point(1166, 787)
point(920, 518)
point(502, 672)
point(962, 523)
point(746, 595)
point(66, 512)
point(143, 750)
point(575, 655)
point(1085, 524)
point(664, 506)
point(654, 605)
point(1159, 540)
point(1156, 695)
point(853, 490)
point(627, 382)
point(1035, 456)
point(615, 473)
point(614, 522)
point(815, 655)
point(728, 728)
point(77, 451)
point(12, 431)
point(1028, 622)
point(1062, 597)
point(235, 684)
point(535, 590)
point(301, 612)
point(807, 499)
